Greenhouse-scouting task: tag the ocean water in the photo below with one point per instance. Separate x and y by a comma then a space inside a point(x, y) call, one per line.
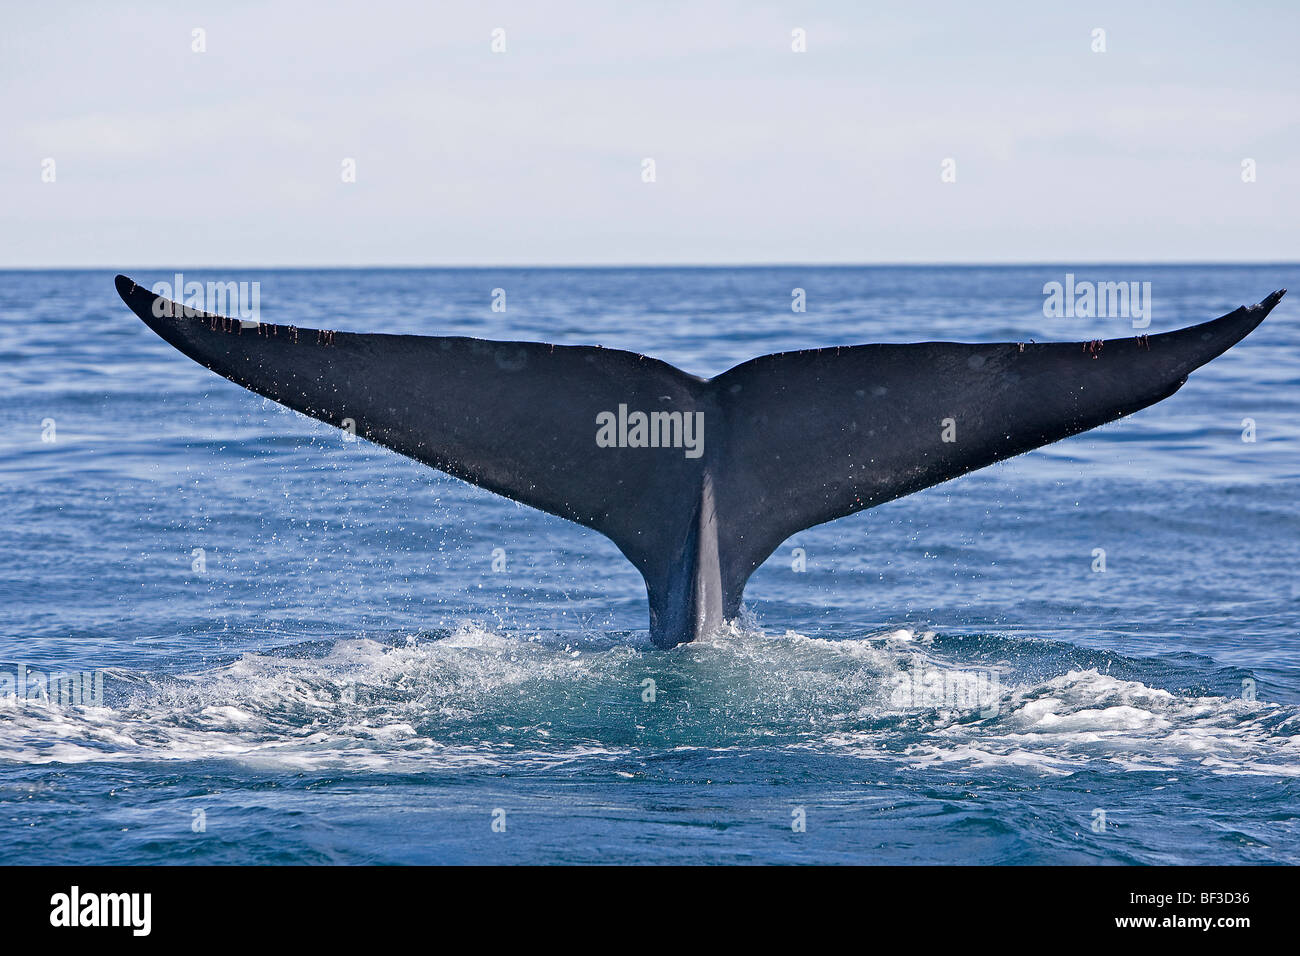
point(344, 678)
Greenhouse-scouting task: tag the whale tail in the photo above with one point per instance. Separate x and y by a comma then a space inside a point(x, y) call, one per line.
point(696, 481)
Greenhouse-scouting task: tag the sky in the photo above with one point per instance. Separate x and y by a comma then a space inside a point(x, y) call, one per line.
point(121, 145)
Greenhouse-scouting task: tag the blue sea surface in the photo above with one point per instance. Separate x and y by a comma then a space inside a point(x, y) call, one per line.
point(309, 657)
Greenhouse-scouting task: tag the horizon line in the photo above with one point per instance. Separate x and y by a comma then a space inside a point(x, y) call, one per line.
point(961, 264)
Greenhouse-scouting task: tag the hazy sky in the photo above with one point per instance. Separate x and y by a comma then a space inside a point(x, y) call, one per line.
point(168, 157)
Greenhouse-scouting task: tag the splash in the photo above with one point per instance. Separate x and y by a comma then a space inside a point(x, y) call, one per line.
point(477, 698)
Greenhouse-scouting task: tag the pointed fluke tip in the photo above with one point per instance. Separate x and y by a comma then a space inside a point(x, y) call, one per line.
point(137, 298)
point(1270, 300)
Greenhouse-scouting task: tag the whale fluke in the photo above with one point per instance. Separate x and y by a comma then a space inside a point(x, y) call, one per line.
point(696, 481)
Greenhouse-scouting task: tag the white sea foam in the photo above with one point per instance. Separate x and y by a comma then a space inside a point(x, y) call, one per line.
point(478, 698)
point(1066, 723)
